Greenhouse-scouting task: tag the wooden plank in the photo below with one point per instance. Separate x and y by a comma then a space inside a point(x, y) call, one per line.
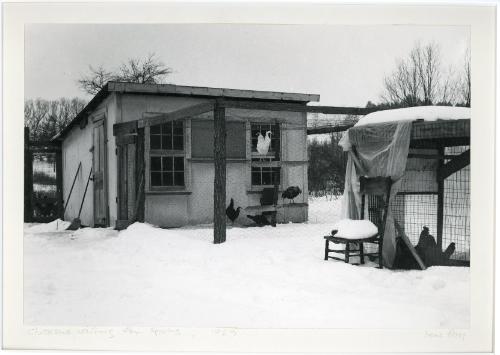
point(430, 156)
point(454, 165)
point(126, 139)
point(122, 183)
point(220, 174)
point(125, 128)
point(141, 176)
point(140, 196)
point(417, 193)
point(183, 113)
point(131, 180)
point(295, 107)
point(407, 241)
point(48, 145)
point(271, 207)
point(440, 203)
point(329, 129)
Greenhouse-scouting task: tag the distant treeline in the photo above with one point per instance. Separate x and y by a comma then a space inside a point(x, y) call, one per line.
point(327, 162)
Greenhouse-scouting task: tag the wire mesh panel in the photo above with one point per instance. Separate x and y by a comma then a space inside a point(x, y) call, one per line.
point(416, 204)
point(456, 224)
point(415, 211)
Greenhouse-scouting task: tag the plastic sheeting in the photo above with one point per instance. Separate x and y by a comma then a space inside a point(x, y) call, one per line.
point(375, 150)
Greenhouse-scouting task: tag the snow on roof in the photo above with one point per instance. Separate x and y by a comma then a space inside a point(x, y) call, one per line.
point(427, 113)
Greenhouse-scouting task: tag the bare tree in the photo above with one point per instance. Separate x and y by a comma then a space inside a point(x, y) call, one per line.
point(403, 85)
point(148, 70)
point(464, 82)
point(420, 79)
point(95, 80)
point(448, 90)
point(46, 118)
point(35, 112)
point(428, 66)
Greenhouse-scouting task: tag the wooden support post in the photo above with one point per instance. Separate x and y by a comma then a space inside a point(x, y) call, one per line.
point(440, 202)
point(141, 176)
point(28, 177)
point(220, 173)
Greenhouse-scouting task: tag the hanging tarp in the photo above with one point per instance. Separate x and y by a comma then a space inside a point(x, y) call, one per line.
point(375, 150)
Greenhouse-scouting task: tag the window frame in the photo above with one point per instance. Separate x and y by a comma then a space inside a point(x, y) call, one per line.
point(272, 160)
point(172, 153)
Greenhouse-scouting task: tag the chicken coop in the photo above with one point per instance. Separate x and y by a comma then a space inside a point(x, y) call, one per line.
point(147, 152)
point(433, 188)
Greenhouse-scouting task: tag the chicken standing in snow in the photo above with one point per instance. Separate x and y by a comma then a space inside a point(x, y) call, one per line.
point(263, 144)
point(291, 192)
point(232, 213)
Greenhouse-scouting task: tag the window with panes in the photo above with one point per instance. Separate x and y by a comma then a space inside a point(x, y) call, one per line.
point(166, 150)
point(265, 169)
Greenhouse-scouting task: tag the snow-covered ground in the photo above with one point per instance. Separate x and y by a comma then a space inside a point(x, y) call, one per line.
point(261, 277)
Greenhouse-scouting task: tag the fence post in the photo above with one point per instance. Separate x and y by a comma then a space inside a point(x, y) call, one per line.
point(440, 202)
point(59, 184)
point(28, 177)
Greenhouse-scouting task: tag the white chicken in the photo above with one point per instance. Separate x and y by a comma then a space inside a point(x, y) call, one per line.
point(263, 144)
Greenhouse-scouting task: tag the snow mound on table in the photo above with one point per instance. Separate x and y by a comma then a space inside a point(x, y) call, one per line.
point(427, 113)
point(355, 229)
point(54, 226)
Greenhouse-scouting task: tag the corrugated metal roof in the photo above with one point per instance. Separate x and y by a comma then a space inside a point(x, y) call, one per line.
point(169, 89)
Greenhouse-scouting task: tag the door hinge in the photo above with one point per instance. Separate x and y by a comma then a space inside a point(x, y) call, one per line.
point(116, 199)
point(116, 151)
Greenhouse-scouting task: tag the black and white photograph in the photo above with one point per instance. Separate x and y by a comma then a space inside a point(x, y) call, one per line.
point(248, 176)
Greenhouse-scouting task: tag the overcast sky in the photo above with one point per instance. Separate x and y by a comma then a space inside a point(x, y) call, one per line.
point(344, 64)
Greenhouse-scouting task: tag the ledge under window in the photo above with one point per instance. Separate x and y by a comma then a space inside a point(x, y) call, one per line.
point(168, 192)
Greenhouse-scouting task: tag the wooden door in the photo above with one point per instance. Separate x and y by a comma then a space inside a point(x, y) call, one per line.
point(130, 150)
point(99, 176)
point(126, 147)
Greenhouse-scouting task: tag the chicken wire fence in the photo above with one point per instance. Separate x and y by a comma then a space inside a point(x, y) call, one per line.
point(44, 194)
point(416, 206)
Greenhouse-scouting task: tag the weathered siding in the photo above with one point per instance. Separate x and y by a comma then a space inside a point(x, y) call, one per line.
point(76, 149)
point(201, 201)
point(112, 113)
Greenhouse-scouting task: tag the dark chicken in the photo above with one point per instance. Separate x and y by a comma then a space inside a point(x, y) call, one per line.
point(232, 213)
point(291, 192)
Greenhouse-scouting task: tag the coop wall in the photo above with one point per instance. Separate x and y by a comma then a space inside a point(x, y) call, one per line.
point(76, 148)
point(194, 204)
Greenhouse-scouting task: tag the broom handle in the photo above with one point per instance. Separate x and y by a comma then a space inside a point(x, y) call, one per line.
point(84, 193)
point(72, 185)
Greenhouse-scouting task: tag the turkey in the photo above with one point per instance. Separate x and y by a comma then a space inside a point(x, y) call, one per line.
point(232, 213)
point(291, 192)
point(263, 144)
point(260, 220)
